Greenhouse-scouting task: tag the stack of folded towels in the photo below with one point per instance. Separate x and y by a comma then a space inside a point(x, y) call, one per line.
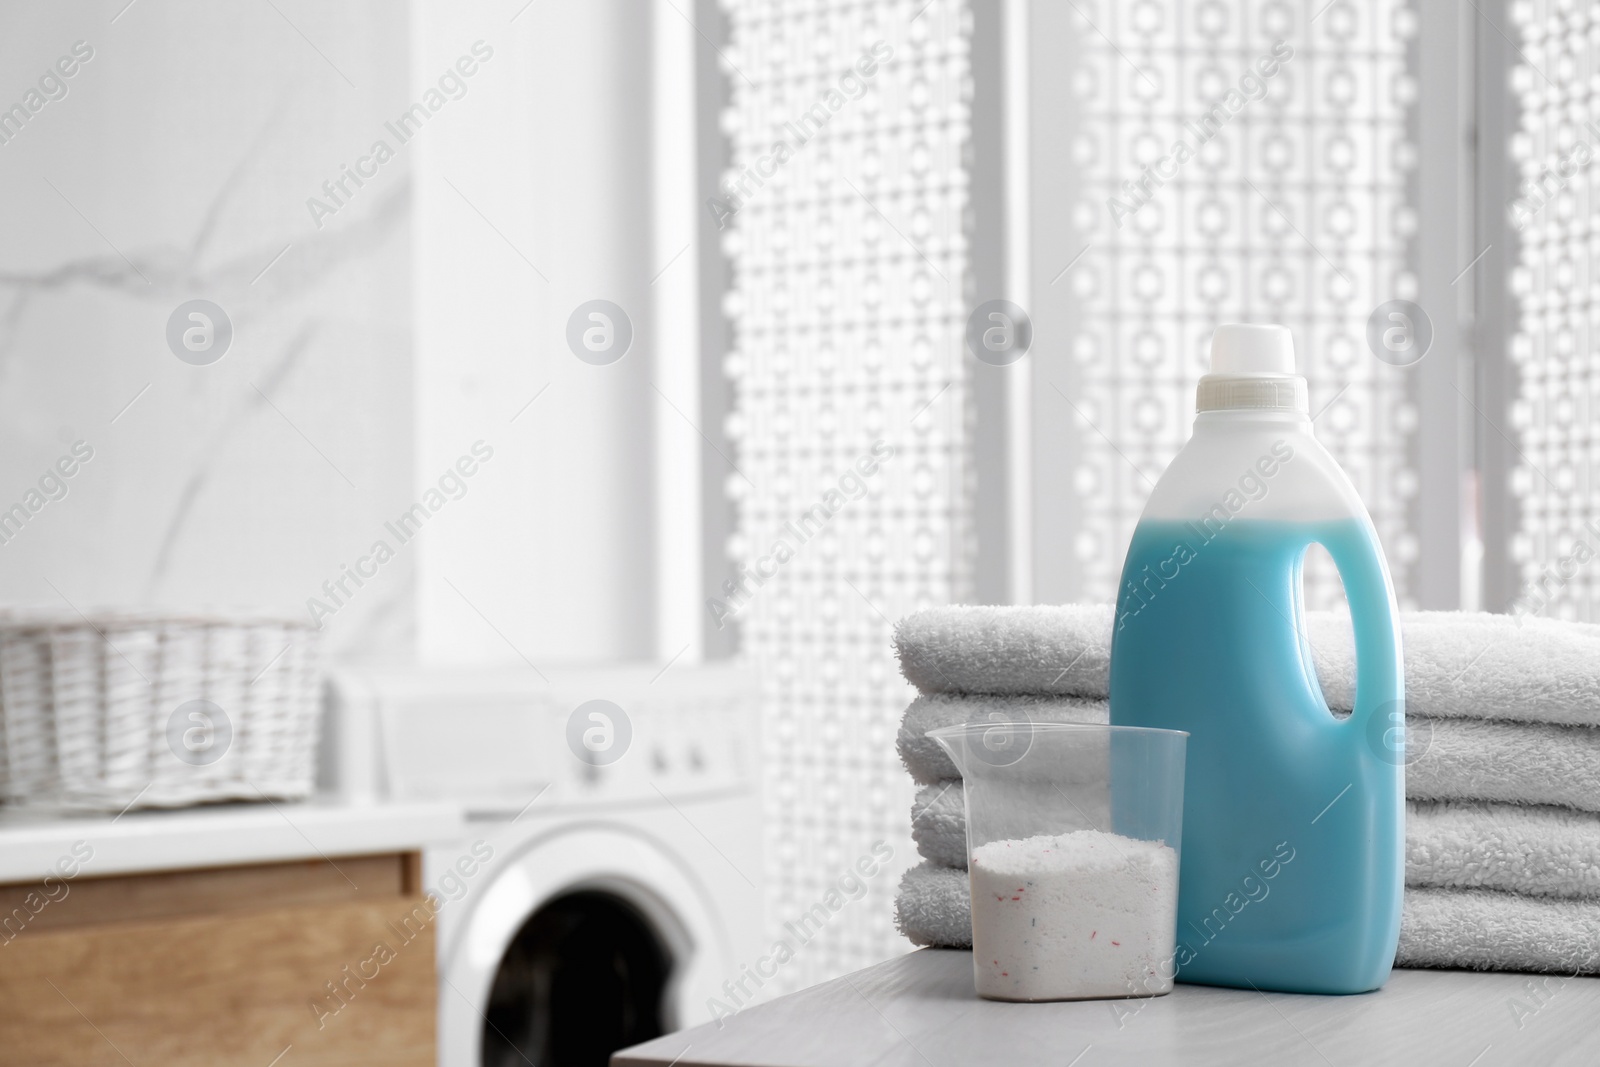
point(1502, 781)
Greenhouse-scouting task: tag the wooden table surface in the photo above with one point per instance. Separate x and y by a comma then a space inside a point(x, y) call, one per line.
point(919, 1010)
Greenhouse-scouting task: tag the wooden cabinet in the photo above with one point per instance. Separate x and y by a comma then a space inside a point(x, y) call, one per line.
point(303, 964)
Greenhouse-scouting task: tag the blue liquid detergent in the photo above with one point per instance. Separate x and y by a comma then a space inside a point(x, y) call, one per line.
point(1293, 831)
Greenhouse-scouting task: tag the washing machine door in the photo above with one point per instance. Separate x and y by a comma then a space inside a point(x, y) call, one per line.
point(589, 938)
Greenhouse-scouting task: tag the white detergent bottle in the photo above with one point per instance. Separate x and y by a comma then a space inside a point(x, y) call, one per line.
point(1293, 822)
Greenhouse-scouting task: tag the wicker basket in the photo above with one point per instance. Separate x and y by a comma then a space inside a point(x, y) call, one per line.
point(124, 710)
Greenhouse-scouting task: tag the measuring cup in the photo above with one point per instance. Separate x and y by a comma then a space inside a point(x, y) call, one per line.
point(1073, 837)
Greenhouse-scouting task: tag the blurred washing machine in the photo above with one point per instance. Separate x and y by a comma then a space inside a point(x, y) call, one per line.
point(610, 881)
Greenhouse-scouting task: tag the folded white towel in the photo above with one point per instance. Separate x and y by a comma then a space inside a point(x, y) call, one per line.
point(1450, 759)
point(1056, 651)
point(1488, 931)
point(939, 823)
point(933, 907)
point(927, 762)
point(1476, 928)
point(1458, 664)
point(1513, 848)
point(1515, 762)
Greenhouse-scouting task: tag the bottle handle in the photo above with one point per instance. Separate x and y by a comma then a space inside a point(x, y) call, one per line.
point(1375, 618)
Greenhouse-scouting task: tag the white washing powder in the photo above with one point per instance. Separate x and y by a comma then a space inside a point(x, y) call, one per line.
point(1081, 914)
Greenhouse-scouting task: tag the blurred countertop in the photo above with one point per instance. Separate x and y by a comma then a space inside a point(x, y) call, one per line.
point(33, 840)
point(919, 1010)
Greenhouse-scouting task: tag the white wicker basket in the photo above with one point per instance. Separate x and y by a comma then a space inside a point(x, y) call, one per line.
point(156, 710)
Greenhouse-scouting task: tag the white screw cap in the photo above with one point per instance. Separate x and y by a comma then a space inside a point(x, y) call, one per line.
point(1252, 367)
point(1249, 348)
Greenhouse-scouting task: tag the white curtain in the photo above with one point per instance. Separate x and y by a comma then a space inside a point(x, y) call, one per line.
point(1248, 161)
point(843, 208)
point(1556, 415)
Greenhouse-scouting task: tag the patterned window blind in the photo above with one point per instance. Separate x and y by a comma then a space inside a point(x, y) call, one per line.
point(1237, 161)
point(1556, 414)
point(843, 207)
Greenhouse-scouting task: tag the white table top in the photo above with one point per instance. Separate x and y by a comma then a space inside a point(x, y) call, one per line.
point(920, 1011)
point(221, 835)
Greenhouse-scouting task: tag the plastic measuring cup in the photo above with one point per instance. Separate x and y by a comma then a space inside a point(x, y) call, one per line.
point(1073, 839)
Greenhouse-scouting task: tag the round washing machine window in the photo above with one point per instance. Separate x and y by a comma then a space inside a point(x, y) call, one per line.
point(589, 939)
point(586, 975)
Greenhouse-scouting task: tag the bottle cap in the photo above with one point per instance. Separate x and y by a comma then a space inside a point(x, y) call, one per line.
point(1252, 366)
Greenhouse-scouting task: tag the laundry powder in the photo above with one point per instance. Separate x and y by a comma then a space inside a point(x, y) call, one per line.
point(1068, 916)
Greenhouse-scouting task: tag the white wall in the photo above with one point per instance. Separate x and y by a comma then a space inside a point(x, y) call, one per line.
point(191, 143)
point(187, 147)
point(527, 206)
